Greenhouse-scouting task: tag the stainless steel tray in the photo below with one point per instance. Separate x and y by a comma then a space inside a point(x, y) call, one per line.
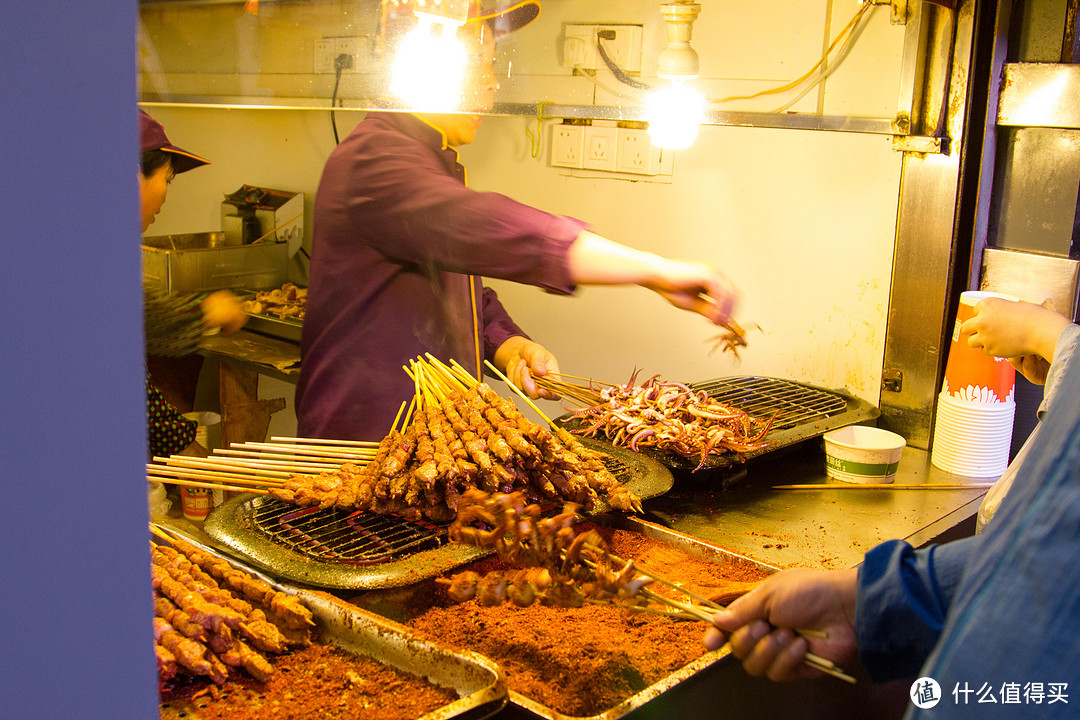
point(300, 557)
point(480, 683)
point(281, 328)
point(388, 603)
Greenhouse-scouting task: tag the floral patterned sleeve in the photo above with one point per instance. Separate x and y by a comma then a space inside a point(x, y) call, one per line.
point(173, 324)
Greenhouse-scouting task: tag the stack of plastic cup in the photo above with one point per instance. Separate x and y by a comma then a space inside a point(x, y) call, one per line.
point(976, 407)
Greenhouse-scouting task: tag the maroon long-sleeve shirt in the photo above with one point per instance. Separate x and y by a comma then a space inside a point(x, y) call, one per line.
point(398, 243)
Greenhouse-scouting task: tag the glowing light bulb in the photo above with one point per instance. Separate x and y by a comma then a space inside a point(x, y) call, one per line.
point(429, 68)
point(674, 112)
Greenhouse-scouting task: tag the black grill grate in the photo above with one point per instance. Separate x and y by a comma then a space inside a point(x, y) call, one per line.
point(762, 397)
point(358, 538)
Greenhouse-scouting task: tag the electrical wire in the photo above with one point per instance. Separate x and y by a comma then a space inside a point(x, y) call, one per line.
point(840, 37)
point(830, 68)
point(341, 62)
point(615, 69)
point(535, 141)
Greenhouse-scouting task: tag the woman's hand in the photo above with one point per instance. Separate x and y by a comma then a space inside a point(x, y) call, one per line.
point(521, 360)
point(761, 624)
point(222, 309)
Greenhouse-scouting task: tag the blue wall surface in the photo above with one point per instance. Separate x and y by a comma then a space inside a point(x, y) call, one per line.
point(75, 605)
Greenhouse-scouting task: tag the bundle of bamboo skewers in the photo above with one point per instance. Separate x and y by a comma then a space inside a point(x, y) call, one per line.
point(457, 434)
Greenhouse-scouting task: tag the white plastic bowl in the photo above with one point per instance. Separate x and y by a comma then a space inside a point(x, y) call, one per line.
point(860, 454)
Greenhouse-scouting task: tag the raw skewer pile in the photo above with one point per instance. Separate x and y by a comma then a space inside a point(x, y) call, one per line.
point(663, 415)
point(462, 435)
point(210, 617)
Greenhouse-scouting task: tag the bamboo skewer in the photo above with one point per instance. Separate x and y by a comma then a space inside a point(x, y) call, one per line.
point(885, 486)
point(276, 456)
point(218, 486)
point(325, 441)
point(254, 465)
point(173, 472)
point(210, 465)
point(308, 450)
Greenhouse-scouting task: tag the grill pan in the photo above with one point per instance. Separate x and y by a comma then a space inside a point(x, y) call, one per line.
point(359, 550)
point(801, 411)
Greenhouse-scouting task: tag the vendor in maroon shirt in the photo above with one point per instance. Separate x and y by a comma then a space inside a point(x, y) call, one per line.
point(400, 245)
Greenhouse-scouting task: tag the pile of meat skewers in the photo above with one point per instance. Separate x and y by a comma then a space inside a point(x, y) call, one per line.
point(462, 435)
point(555, 565)
point(210, 617)
point(663, 415)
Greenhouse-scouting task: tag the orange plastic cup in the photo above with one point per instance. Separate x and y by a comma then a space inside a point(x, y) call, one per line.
point(971, 374)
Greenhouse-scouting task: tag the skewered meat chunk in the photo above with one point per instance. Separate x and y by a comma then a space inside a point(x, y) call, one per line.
point(166, 662)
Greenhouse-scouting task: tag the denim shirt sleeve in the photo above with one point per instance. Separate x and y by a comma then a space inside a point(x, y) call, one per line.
point(1064, 357)
point(902, 598)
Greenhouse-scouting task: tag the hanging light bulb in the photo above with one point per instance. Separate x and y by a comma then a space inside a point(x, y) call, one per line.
point(429, 66)
point(676, 110)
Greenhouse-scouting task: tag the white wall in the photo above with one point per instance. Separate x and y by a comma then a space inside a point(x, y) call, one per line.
point(802, 221)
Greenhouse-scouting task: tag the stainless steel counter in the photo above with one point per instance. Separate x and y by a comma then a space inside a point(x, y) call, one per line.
point(828, 529)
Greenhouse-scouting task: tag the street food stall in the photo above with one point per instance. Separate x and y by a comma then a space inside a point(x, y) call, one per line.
point(852, 204)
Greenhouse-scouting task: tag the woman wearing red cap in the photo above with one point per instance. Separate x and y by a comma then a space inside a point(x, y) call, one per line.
point(174, 324)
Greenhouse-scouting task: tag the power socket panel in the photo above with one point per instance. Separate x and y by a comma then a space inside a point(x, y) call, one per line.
point(579, 46)
point(327, 49)
point(604, 146)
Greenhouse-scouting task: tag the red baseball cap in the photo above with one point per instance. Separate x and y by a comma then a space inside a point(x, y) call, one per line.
point(152, 137)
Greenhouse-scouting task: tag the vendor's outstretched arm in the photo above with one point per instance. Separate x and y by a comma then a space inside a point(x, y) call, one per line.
point(688, 285)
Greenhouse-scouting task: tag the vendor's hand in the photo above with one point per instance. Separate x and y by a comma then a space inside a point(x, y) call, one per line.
point(760, 625)
point(222, 309)
point(1010, 329)
point(521, 360)
point(697, 287)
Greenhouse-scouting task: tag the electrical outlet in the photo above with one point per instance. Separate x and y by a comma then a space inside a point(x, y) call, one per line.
point(325, 52)
point(624, 49)
point(328, 49)
point(636, 154)
point(601, 145)
point(567, 145)
point(356, 47)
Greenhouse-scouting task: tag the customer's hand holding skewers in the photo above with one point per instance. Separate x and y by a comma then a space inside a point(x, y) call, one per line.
point(759, 624)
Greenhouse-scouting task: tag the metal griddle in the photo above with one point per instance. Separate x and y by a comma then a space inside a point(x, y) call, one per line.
point(802, 412)
point(359, 550)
